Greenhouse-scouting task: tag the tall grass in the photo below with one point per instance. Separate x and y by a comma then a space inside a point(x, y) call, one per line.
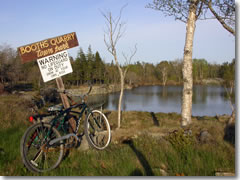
point(14, 111)
point(142, 155)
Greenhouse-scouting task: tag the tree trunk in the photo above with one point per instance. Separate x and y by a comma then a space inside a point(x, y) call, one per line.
point(120, 97)
point(163, 76)
point(229, 94)
point(187, 67)
point(232, 118)
point(114, 33)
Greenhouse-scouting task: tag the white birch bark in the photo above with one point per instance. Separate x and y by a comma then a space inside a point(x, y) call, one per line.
point(120, 99)
point(187, 67)
point(164, 75)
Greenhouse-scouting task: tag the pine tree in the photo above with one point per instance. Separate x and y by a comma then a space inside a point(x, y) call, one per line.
point(99, 70)
point(90, 64)
point(83, 66)
point(79, 67)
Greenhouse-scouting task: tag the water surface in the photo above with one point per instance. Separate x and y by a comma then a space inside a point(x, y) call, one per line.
point(207, 100)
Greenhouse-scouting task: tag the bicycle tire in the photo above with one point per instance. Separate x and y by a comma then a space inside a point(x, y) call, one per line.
point(97, 130)
point(32, 139)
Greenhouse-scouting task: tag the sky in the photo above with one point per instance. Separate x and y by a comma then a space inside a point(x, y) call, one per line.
point(157, 37)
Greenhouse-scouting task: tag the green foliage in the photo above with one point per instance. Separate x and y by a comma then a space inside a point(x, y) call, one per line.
point(90, 66)
point(200, 69)
point(183, 143)
point(181, 140)
point(87, 67)
point(162, 71)
point(227, 71)
point(191, 158)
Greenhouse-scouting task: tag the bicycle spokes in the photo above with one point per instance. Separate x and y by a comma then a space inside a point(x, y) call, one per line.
point(98, 130)
point(37, 154)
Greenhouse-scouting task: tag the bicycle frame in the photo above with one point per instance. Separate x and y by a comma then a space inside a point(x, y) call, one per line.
point(60, 124)
point(54, 134)
point(60, 118)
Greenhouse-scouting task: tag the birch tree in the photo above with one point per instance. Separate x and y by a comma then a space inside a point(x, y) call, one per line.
point(163, 68)
point(115, 29)
point(229, 83)
point(189, 11)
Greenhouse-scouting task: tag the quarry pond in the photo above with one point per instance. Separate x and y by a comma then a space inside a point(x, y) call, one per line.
point(208, 100)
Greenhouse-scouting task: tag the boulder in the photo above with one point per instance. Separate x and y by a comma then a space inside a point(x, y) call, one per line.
point(50, 95)
point(205, 136)
point(84, 144)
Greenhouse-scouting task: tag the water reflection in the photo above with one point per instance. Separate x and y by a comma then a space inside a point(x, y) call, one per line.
point(207, 100)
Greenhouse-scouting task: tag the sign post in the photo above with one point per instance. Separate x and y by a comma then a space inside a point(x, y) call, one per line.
point(64, 99)
point(53, 60)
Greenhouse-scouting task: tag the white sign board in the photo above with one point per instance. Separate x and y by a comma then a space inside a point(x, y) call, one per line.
point(54, 66)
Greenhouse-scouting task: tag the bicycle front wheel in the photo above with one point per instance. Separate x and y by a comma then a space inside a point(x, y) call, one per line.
point(36, 154)
point(97, 130)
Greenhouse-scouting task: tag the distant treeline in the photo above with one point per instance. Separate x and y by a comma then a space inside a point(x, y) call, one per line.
point(90, 66)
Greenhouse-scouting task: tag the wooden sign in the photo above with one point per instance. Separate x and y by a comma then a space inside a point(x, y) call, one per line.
point(47, 47)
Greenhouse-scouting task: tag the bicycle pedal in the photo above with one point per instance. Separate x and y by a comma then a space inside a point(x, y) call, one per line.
point(80, 136)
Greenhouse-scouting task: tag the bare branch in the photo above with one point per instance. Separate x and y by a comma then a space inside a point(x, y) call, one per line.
point(199, 10)
point(129, 59)
point(178, 8)
point(219, 18)
point(107, 45)
point(116, 21)
point(114, 30)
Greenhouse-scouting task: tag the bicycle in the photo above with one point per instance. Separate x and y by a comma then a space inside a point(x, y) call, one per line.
point(42, 145)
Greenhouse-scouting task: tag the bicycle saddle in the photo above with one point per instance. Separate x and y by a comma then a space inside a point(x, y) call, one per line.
point(55, 108)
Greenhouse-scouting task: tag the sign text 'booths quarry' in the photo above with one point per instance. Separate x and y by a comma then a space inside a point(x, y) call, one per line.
point(47, 47)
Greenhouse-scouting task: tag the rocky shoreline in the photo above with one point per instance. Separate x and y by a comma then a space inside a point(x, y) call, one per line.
point(106, 89)
point(99, 89)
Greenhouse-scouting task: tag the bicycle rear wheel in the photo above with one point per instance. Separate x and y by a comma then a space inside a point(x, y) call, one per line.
point(97, 130)
point(36, 154)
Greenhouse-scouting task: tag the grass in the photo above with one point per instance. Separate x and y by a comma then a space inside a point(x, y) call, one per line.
point(133, 151)
point(141, 156)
